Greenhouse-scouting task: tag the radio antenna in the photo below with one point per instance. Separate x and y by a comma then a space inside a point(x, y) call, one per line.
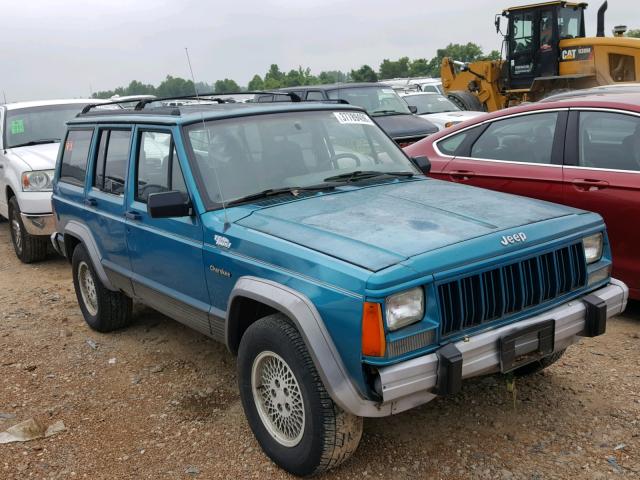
point(215, 169)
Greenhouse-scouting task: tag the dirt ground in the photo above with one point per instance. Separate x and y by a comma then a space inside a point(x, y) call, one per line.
point(160, 401)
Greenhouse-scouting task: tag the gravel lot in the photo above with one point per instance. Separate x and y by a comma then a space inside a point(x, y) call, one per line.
point(160, 401)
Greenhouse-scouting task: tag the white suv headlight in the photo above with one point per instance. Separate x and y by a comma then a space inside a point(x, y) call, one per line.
point(592, 247)
point(404, 308)
point(37, 181)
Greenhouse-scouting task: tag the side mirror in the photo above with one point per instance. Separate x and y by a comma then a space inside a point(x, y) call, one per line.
point(423, 163)
point(168, 204)
point(413, 109)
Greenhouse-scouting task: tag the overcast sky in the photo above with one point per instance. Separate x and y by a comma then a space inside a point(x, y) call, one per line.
point(64, 48)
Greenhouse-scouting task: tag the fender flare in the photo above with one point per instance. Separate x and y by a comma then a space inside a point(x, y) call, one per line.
point(303, 313)
point(83, 233)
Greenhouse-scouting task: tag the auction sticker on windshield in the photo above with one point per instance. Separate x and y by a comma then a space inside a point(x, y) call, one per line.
point(353, 117)
point(17, 126)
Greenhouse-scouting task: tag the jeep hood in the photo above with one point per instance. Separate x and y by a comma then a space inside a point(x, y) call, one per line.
point(379, 226)
point(405, 126)
point(38, 157)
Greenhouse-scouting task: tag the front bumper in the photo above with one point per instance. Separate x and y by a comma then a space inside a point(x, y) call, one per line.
point(38, 224)
point(417, 381)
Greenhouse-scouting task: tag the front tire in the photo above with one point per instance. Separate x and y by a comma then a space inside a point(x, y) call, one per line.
point(290, 412)
point(538, 365)
point(28, 248)
point(103, 310)
point(466, 100)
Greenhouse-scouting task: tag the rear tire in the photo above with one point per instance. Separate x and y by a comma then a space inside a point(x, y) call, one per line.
point(538, 365)
point(28, 248)
point(290, 412)
point(103, 310)
point(466, 100)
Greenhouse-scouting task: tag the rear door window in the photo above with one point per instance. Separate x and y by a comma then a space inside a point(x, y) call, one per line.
point(112, 160)
point(527, 139)
point(609, 140)
point(73, 167)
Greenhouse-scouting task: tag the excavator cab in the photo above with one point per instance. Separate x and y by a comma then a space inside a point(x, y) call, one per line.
point(533, 38)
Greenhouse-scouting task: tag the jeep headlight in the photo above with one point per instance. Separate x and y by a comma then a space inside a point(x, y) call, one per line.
point(37, 181)
point(592, 247)
point(404, 308)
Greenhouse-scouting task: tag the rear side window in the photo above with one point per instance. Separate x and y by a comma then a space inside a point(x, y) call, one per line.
point(158, 168)
point(112, 161)
point(314, 95)
point(73, 168)
point(527, 139)
point(448, 146)
point(609, 140)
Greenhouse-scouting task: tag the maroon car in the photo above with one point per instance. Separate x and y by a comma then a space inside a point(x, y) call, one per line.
point(582, 151)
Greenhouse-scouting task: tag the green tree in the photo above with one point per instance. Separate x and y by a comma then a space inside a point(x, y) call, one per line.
point(256, 83)
point(364, 74)
point(333, 76)
point(469, 52)
point(419, 68)
point(394, 69)
point(634, 33)
point(204, 87)
point(298, 77)
point(175, 87)
point(138, 88)
point(493, 55)
point(273, 78)
point(226, 86)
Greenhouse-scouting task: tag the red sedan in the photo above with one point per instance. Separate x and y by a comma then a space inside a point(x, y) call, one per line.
point(582, 151)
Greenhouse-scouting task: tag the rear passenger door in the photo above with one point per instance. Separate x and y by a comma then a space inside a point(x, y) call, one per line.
point(106, 201)
point(602, 174)
point(520, 154)
point(166, 253)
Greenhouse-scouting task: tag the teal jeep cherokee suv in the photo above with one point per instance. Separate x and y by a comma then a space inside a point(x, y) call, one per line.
point(348, 283)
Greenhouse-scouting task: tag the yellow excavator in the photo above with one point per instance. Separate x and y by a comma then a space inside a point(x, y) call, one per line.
point(546, 52)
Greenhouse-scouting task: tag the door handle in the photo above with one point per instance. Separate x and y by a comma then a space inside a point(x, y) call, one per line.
point(90, 202)
point(133, 215)
point(589, 184)
point(462, 175)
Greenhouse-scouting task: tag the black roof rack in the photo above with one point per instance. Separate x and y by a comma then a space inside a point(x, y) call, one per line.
point(217, 97)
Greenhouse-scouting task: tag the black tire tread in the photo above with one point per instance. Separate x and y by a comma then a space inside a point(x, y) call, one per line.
point(465, 100)
point(114, 308)
point(342, 430)
point(539, 365)
point(34, 248)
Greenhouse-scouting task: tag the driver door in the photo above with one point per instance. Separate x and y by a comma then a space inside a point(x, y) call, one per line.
point(522, 50)
point(166, 253)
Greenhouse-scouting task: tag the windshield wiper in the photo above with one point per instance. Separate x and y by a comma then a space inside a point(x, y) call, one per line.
point(269, 192)
point(388, 112)
point(364, 174)
point(36, 142)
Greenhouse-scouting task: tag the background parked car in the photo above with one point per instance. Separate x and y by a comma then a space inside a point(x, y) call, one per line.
point(437, 108)
point(423, 84)
point(30, 133)
point(380, 101)
point(583, 151)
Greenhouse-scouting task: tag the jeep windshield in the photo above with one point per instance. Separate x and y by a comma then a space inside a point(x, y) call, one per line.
point(246, 158)
point(375, 100)
point(38, 125)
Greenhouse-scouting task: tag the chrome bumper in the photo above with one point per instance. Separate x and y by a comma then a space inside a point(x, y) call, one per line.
point(38, 224)
point(414, 382)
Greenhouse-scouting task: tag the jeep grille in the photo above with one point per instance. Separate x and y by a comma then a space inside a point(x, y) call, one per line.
point(507, 290)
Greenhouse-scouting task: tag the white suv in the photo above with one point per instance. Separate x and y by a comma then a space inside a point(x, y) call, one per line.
point(30, 134)
point(437, 108)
